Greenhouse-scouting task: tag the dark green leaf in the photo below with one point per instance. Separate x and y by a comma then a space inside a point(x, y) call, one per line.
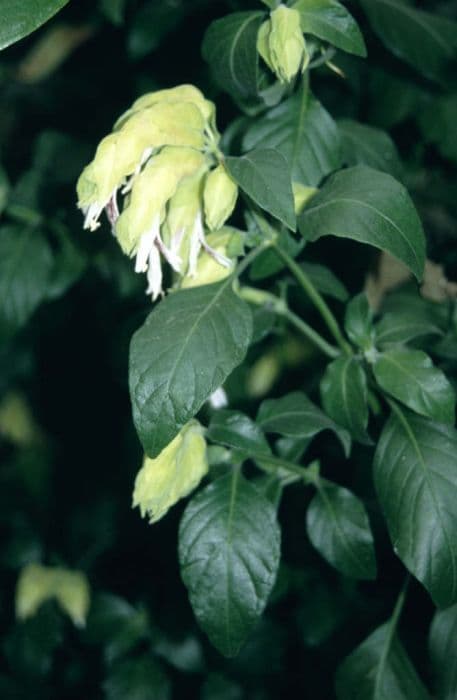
point(4, 189)
point(234, 429)
point(329, 20)
point(371, 207)
point(422, 39)
point(151, 25)
point(217, 687)
point(294, 415)
point(229, 548)
point(401, 327)
point(437, 121)
point(325, 281)
point(269, 263)
point(31, 645)
point(114, 10)
point(416, 482)
point(366, 145)
point(443, 653)
point(116, 625)
point(338, 527)
point(184, 351)
point(409, 376)
point(358, 321)
point(306, 135)
point(21, 18)
point(25, 267)
point(264, 174)
point(344, 396)
point(379, 669)
point(138, 679)
point(230, 48)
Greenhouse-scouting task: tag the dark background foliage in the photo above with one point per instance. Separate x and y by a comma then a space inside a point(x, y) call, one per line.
point(66, 492)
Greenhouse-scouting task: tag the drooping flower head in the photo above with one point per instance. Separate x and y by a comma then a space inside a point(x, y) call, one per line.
point(281, 44)
point(162, 159)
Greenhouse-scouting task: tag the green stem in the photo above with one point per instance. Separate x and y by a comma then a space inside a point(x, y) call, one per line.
point(279, 306)
point(250, 257)
point(315, 297)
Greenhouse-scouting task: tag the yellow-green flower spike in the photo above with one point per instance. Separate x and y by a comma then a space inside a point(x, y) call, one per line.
point(286, 43)
point(178, 469)
point(181, 93)
point(219, 197)
point(37, 583)
point(151, 191)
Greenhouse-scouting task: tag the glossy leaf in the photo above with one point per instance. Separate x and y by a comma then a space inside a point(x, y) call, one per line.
point(371, 207)
point(443, 653)
point(330, 20)
point(409, 376)
point(21, 18)
point(325, 281)
point(379, 669)
point(358, 321)
point(366, 145)
point(234, 429)
point(338, 527)
point(184, 351)
point(25, 267)
point(264, 175)
point(306, 135)
point(229, 547)
point(344, 396)
point(230, 48)
point(422, 39)
point(416, 483)
point(295, 416)
point(140, 678)
point(401, 327)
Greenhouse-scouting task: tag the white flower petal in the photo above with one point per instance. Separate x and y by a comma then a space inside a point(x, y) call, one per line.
point(154, 273)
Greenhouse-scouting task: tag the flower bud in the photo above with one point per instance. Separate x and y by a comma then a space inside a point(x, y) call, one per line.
point(177, 470)
point(37, 583)
point(221, 245)
point(219, 197)
point(286, 43)
point(263, 46)
point(302, 195)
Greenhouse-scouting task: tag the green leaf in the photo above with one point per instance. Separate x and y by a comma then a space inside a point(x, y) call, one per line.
point(371, 207)
point(269, 263)
point(437, 122)
point(25, 267)
point(344, 396)
point(358, 321)
point(137, 679)
point(264, 175)
point(114, 10)
point(330, 21)
point(443, 653)
point(416, 483)
point(115, 624)
point(409, 376)
point(306, 135)
point(234, 429)
point(379, 669)
point(294, 415)
point(4, 189)
point(338, 527)
point(366, 145)
point(229, 549)
point(184, 351)
point(325, 281)
point(422, 39)
point(230, 48)
point(151, 24)
point(21, 18)
point(401, 327)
